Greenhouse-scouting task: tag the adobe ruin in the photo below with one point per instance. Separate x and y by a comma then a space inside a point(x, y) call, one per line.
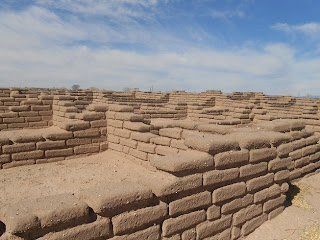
point(179, 165)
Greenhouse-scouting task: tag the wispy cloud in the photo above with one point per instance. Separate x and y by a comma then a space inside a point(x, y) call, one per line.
point(311, 29)
point(227, 14)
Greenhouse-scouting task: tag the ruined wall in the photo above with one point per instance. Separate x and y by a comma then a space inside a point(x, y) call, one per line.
point(222, 181)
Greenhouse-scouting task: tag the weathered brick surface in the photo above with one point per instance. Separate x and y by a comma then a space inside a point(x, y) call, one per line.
point(208, 228)
point(228, 192)
point(173, 225)
point(189, 203)
point(132, 220)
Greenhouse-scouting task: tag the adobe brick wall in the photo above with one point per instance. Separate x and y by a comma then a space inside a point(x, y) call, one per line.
point(228, 166)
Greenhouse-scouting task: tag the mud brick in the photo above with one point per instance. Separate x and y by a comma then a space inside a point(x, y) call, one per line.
point(106, 199)
point(174, 225)
point(128, 142)
point(309, 168)
point(218, 177)
point(296, 154)
point(267, 193)
point(27, 155)
point(104, 131)
point(115, 146)
point(28, 114)
point(208, 229)
point(213, 144)
point(40, 108)
point(284, 187)
point(312, 140)
point(165, 141)
point(136, 126)
point(251, 225)
point(285, 149)
point(190, 203)
point(315, 157)
point(164, 150)
point(231, 159)
point(18, 163)
point(32, 102)
point(98, 123)
point(142, 137)
point(126, 116)
point(59, 152)
point(91, 148)
point(309, 150)
point(277, 164)
point(7, 99)
point(260, 182)
point(9, 115)
point(46, 118)
point(91, 116)
point(171, 132)
point(146, 147)
point(178, 144)
point(3, 126)
point(122, 133)
point(253, 169)
point(237, 204)
point(183, 161)
point(246, 214)
point(78, 141)
point(110, 115)
point(265, 154)
point(22, 147)
point(11, 104)
point(13, 120)
point(189, 133)
point(138, 154)
point(275, 212)
point(45, 113)
point(4, 158)
point(295, 174)
point(58, 136)
point(213, 212)
point(299, 144)
point(189, 234)
point(110, 130)
point(148, 234)
point(75, 125)
point(38, 124)
point(229, 192)
point(235, 233)
point(95, 230)
point(302, 162)
point(281, 176)
point(132, 220)
point(68, 109)
point(33, 119)
point(100, 139)
point(273, 203)
point(87, 133)
point(113, 139)
point(120, 108)
point(50, 160)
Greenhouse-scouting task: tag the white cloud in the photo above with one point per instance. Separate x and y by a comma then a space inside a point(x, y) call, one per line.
point(38, 49)
point(311, 29)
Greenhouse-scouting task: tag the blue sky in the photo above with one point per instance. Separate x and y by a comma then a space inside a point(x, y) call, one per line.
point(195, 45)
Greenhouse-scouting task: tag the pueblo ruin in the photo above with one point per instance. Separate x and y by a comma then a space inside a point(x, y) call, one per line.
point(149, 165)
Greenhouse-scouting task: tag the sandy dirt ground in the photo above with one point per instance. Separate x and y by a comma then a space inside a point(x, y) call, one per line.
point(301, 220)
point(69, 176)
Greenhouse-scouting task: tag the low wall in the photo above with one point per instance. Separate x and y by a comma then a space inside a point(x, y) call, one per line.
point(221, 182)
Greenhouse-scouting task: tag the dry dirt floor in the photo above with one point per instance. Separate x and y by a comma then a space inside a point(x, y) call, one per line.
point(68, 176)
point(300, 220)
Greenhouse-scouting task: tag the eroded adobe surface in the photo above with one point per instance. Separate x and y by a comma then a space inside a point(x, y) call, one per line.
point(149, 165)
